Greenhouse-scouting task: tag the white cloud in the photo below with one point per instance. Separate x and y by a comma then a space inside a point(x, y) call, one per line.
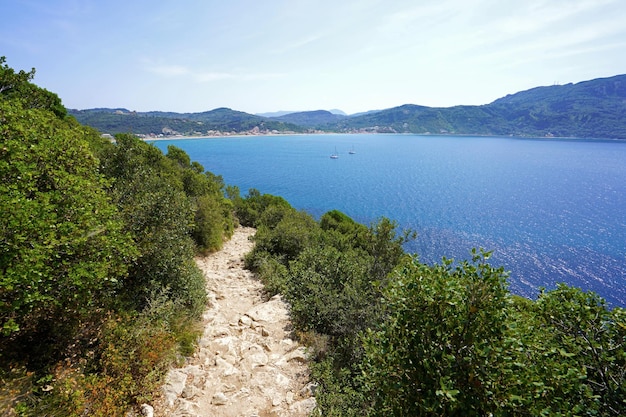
point(219, 76)
point(402, 20)
point(169, 70)
point(296, 44)
point(201, 76)
point(212, 76)
point(544, 16)
point(358, 54)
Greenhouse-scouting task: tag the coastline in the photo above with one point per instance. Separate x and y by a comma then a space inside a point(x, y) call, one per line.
point(320, 133)
point(240, 135)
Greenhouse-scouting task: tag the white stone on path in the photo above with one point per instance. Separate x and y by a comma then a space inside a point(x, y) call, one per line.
point(247, 364)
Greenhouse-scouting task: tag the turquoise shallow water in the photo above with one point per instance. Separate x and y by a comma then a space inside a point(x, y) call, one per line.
point(551, 210)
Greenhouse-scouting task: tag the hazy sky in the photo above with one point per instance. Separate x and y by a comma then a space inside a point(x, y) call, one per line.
point(270, 55)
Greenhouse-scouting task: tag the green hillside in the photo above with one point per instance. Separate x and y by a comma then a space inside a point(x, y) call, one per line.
point(311, 119)
point(221, 120)
point(590, 109)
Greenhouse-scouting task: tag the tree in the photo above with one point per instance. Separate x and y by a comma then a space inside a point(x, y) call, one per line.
point(588, 342)
point(330, 291)
point(436, 351)
point(18, 86)
point(213, 217)
point(10, 81)
point(97, 275)
point(149, 193)
point(62, 247)
point(251, 207)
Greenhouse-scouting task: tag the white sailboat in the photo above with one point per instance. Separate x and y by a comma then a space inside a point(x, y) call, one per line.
point(334, 155)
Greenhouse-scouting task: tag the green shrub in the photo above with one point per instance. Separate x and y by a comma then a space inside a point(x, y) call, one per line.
point(338, 393)
point(124, 368)
point(99, 291)
point(148, 189)
point(250, 208)
point(63, 247)
point(583, 347)
point(272, 273)
point(213, 213)
point(436, 352)
point(209, 225)
point(288, 238)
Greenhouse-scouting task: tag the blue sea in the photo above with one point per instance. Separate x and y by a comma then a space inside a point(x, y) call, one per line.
point(551, 210)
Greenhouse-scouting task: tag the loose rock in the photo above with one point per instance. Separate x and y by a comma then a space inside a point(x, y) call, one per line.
point(247, 365)
point(219, 399)
point(147, 410)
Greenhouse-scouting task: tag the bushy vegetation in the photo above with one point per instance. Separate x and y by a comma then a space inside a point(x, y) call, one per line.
point(99, 291)
point(392, 336)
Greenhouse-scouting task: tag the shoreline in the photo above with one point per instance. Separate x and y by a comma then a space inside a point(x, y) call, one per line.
point(237, 135)
point(247, 135)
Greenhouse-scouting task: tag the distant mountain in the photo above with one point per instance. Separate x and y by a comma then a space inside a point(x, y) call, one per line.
point(275, 113)
point(217, 121)
point(311, 119)
point(364, 113)
point(410, 118)
point(283, 113)
point(589, 109)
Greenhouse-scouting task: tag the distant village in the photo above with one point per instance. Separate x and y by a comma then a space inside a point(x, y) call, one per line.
point(168, 133)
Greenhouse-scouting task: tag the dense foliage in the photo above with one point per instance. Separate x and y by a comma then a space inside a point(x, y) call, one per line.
point(392, 336)
point(16, 86)
point(63, 245)
point(99, 290)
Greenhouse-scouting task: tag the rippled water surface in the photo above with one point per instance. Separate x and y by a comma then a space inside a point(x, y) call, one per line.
point(551, 210)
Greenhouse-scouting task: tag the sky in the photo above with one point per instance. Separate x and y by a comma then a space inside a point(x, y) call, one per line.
point(296, 55)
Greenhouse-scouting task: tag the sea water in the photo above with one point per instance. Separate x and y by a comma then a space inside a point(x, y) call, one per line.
point(551, 210)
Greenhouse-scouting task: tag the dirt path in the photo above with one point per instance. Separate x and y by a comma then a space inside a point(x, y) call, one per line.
point(247, 364)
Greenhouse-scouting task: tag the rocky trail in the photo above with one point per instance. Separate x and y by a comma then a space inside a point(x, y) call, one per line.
point(246, 363)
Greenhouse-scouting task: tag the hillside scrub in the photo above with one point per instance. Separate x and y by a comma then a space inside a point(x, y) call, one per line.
point(99, 291)
point(392, 336)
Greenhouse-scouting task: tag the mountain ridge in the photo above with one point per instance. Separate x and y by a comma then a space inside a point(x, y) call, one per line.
point(588, 109)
